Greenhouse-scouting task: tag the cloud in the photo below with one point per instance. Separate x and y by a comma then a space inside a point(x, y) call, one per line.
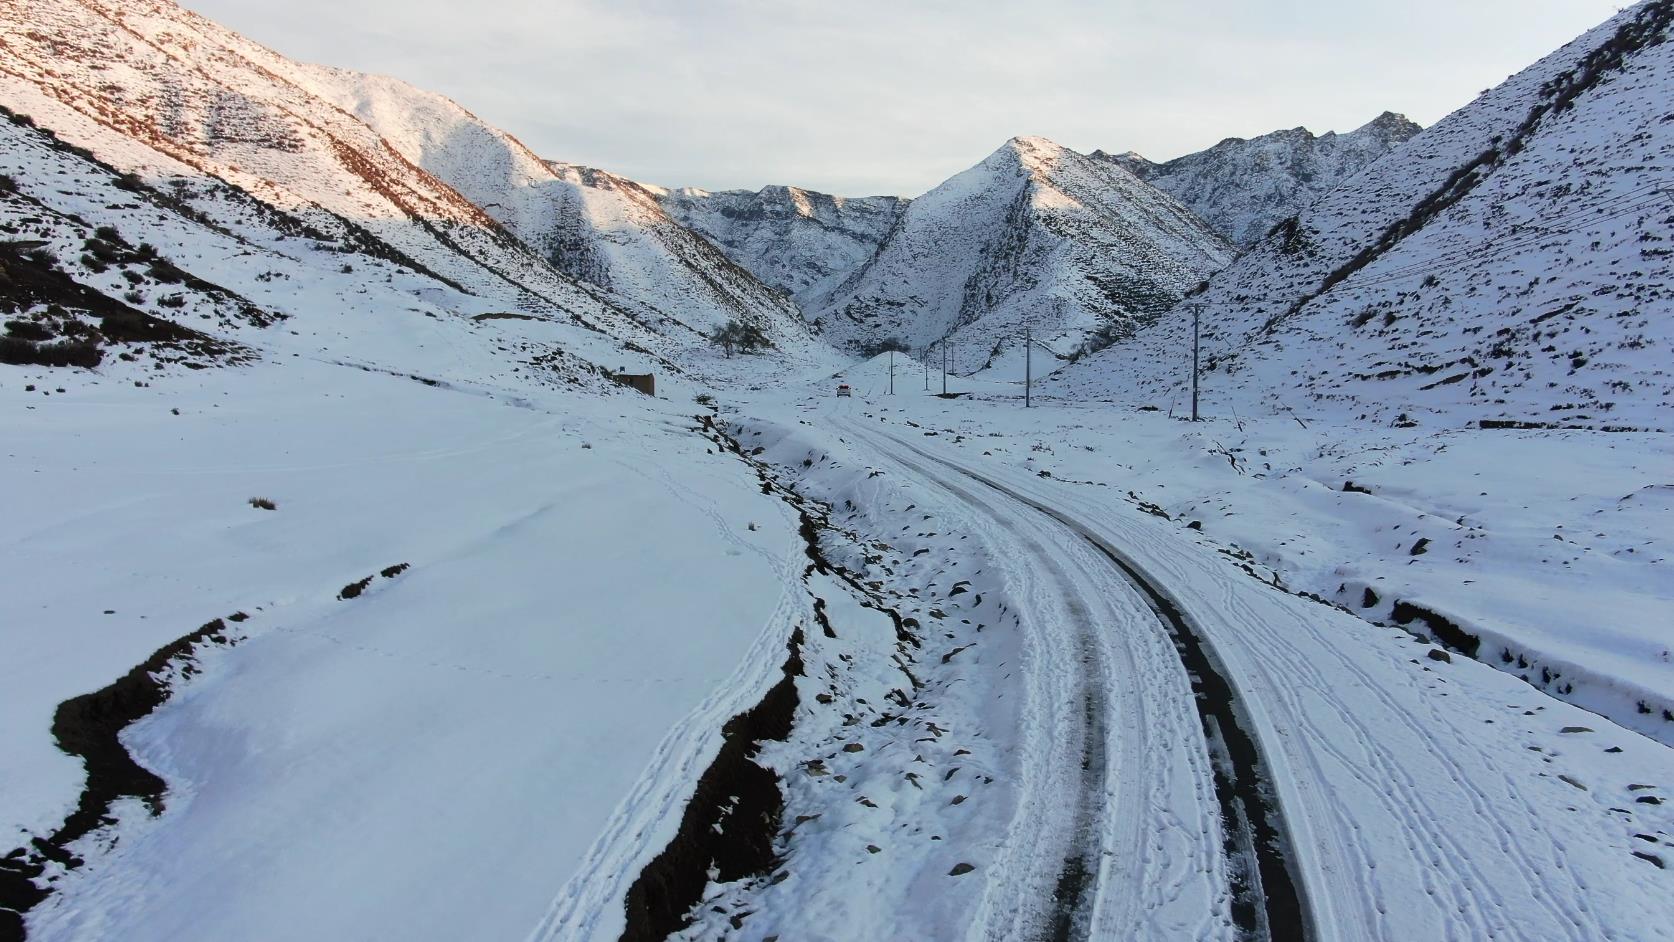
point(869, 96)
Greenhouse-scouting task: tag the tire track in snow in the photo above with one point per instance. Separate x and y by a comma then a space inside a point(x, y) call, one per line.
point(1270, 902)
point(1086, 733)
point(1478, 904)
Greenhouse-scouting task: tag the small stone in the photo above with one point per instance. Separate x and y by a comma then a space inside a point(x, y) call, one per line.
point(960, 870)
point(1437, 654)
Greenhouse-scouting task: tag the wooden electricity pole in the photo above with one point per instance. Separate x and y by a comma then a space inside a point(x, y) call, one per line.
point(1196, 310)
point(1028, 366)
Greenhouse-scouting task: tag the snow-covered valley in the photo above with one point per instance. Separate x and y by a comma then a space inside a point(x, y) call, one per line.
point(411, 536)
point(1238, 552)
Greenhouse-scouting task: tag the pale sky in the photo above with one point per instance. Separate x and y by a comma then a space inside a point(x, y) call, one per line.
point(859, 97)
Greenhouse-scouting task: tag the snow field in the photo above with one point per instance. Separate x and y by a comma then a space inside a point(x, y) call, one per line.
point(586, 597)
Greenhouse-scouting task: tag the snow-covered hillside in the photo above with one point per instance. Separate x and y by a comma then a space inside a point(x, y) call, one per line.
point(1035, 236)
point(614, 233)
point(1511, 264)
point(802, 242)
point(160, 278)
point(255, 148)
point(1243, 188)
point(592, 225)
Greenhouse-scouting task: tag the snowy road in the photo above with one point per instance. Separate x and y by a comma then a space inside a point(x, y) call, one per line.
point(1420, 797)
point(1122, 743)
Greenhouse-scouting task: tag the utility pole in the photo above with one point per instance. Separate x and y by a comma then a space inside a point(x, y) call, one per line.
point(892, 372)
point(1196, 310)
point(924, 361)
point(1028, 366)
point(944, 366)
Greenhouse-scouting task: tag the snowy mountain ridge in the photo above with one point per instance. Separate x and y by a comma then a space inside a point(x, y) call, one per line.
point(248, 143)
point(594, 226)
point(1035, 235)
point(1243, 188)
point(799, 241)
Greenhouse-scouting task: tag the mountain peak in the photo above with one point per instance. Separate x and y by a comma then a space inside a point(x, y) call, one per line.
point(1391, 123)
point(1036, 234)
point(1030, 150)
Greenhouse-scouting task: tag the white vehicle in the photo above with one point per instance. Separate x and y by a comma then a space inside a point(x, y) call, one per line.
point(844, 390)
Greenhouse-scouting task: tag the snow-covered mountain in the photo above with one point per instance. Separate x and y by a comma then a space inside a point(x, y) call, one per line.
point(1510, 264)
point(797, 240)
point(335, 571)
point(1035, 236)
point(241, 144)
point(592, 225)
point(1243, 188)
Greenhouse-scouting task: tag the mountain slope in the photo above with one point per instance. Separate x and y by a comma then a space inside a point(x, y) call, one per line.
point(188, 273)
point(1243, 188)
point(1035, 236)
point(797, 240)
point(592, 225)
point(263, 150)
point(1510, 264)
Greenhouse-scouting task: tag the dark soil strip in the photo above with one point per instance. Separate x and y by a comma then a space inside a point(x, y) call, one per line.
point(1269, 900)
point(737, 808)
point(89, 727)
point(814, 517)
point(729, 824)
point(1441, 627)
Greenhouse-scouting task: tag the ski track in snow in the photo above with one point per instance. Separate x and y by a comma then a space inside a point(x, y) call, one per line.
point(590, 905)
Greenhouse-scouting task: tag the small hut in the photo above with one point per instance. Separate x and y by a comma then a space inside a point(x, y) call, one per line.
point(644, 382)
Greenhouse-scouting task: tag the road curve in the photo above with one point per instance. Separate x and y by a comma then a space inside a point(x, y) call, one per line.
point(1267, 900)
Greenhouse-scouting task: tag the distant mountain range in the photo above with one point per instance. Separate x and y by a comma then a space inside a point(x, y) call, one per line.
point(1034, 236)
point(801, 242)
point(163, 171)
